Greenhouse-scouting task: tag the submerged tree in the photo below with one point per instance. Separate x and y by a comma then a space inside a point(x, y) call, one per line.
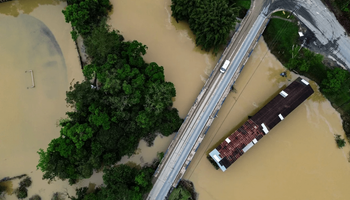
point(122, 182)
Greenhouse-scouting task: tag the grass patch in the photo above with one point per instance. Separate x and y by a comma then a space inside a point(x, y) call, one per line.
point(281, 35)
point(244, 6)
point(180, 193)
point(283, 14)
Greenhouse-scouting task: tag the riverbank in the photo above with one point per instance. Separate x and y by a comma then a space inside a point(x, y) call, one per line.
point(284, 42)
point(299, 154)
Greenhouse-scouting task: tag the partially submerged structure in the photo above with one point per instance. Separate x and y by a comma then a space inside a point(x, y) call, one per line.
point(261, 123)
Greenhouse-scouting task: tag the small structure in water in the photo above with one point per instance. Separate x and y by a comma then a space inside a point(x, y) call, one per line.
point(261, 123)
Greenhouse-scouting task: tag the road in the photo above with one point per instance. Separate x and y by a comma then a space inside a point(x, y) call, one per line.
point(209, 98)
point(312, 13)
point(329, 37)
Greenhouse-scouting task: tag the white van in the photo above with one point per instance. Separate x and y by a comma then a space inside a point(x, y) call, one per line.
point(224, 66)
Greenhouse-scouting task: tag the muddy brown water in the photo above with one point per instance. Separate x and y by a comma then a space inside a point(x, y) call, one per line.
point(297, 160)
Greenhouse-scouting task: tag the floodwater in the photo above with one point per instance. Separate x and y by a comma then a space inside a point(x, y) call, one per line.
point(170, 44)
point(296, 160)
point(34, 36)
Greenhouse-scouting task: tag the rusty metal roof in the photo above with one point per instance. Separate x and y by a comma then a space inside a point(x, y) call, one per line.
point(264, 120)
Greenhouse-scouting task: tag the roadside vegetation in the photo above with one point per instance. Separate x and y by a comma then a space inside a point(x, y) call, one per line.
point(180, 193)
point(341, 9)
point(282, 39)
point(210, 20)
point(283, 14)
point(184, 191)
point(122, 100)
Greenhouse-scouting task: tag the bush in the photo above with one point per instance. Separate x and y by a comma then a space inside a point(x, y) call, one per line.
point(180, 193)
point(26, 182)
point(35, 197)
point(340, 141)
point(21, 192)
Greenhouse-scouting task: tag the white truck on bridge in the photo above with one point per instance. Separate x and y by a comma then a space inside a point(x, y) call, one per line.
point(224, 66)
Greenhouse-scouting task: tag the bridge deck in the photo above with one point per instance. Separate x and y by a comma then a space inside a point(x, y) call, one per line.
point(205, 108)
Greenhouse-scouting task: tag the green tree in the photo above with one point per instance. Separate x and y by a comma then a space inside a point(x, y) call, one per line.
point(132, 101)
point(102, 42)
point(335, 80)
point(122, 182)
point(210, 21)
point(83, 14)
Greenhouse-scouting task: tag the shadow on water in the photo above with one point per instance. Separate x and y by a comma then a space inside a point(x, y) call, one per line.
point(14, 8)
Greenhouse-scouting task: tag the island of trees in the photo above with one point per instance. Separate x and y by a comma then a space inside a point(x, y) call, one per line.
point(122, 100)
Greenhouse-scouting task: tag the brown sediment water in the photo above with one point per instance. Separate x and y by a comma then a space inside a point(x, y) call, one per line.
point(170, 44)
point(38, 39)
point(34, 36)
point(298, 159)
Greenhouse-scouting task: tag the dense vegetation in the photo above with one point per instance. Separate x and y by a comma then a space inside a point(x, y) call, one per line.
point(122, 182)
point(129, 100)
point(85, 14)
point(341, 9)
point(180, 193)
point(210, 20)
point(334, 82)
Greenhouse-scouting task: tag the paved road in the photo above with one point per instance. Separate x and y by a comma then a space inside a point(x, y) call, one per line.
point(330, 37)
point(197, 121)
point(311, 12)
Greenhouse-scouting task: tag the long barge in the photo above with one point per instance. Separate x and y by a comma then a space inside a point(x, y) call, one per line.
point(245, 137)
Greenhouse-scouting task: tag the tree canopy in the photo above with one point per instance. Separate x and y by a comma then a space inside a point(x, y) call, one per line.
point(84, 14)
point(210, 21)
point(131, 101)
point(335, 80)
point(122, 182)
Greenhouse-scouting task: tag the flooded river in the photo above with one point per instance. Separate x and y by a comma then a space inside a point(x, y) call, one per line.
point(34, 36)
point(297, 160)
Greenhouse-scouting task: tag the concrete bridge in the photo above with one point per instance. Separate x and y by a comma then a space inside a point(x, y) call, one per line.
point(208, 103)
